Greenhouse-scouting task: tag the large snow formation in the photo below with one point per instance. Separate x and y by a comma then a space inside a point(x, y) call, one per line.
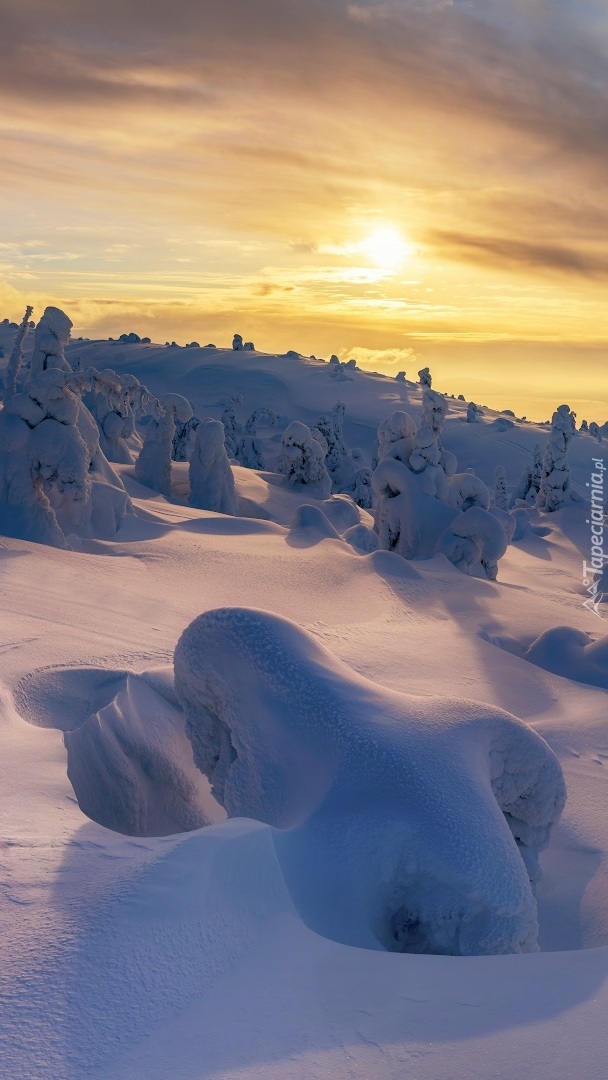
point(211, 479)
point(554, 491)
point(54, 479)
point(153, 465)
point(16, 356)
point(409, 823)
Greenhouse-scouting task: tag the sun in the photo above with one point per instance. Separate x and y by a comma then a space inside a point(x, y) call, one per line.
point(387, 248)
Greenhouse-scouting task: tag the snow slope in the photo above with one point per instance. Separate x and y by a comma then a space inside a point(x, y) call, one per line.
point(140, 952)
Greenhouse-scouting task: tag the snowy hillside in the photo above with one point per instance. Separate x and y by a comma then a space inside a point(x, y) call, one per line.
point(281, 797)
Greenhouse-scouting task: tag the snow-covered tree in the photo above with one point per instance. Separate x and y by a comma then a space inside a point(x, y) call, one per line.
point(418, 492)
point(338, 460)
point(400, 376)
point(584, 426)
point(465, 490)
point(396, 436)
point(51, 336)
point(231, 428)
point(184, 438)
point(428, 453)
point(554, 489)
point(250, 452)
point(529, 482)
point(211, 478)
point(302, 459)
point(153, 465)
point(54, 479)
point(16, 357)
point(250, 449)
point(501, 499)
point(340, 372)
point(362, 489)
point(473, 413)
point(425, 378)
point(237, 343)
point(595, 431)
point(474, 541)
point(113, 401)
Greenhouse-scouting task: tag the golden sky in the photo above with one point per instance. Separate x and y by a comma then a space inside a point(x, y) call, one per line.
point(410, 182)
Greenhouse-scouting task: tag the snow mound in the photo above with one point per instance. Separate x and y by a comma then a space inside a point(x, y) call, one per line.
point(573, 654)
point(361, 538)
point(310, 525)
point(129, 761)
point(408, 823)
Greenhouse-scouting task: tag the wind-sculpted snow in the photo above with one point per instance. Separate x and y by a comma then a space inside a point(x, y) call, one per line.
point(129, 761)
point(404, 822)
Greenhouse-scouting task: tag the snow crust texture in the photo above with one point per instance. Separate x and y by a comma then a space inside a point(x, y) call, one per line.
point(408, 823)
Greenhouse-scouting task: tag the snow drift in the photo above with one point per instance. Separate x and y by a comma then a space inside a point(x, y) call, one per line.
point(408, 823)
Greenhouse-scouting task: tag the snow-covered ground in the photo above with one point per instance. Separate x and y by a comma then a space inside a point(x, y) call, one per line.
point(142, 934)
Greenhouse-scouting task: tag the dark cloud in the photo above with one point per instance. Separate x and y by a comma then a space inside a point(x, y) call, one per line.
point(504, 252)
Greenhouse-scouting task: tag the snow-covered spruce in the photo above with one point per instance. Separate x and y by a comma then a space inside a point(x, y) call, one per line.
point(55, 480)
point(183, 440)
point(473, 413)
point(302, 461)
point(474, 541)
point(362, 492)
point(428, 452)
point(396, 436)
point(250, 452)
point(250, 449)
point(409, 517)
point(425, 378)
point(554, 491)
point(237, 343)
point(501, 498)
point(211, 479)
point(338, 460)
point(405, 823)
point(153, 465)
point(529, 482)
point(50, 338)
point(400, 376)
point(231, 428)
point(113, 402)
point(16, 357)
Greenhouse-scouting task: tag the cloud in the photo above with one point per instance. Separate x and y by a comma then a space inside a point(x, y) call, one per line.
point(500, 252)
point(389, 361)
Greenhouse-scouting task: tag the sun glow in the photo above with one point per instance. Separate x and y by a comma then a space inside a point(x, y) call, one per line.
point(387, 248)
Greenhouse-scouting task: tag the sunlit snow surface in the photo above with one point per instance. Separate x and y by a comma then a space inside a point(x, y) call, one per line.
point(133, 953)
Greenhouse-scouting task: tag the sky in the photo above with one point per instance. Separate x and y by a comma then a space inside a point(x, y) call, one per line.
point(408, 182)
